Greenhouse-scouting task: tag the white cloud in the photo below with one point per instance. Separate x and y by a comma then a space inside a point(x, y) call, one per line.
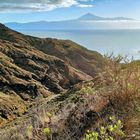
point(40, 5)
point(85, 5)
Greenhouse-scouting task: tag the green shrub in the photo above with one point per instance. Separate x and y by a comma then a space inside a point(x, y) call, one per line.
point(47, 131)
point(87, 90)
point(29, 131)
point(112, 131)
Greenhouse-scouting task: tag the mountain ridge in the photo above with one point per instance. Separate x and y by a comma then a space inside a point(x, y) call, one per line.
point(63, 49)
point(34, 68)
point(73, 24)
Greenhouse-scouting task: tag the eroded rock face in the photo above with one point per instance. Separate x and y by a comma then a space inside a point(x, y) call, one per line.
point(24, 65)
point(29, 73)
point(71, 114)
point(89, 62)
point(32, 68)
point(11, 106)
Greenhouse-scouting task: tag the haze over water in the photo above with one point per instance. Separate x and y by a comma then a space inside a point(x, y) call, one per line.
point(124, 42)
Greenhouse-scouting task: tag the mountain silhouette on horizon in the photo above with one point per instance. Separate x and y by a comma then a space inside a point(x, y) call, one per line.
point(90, 16)
point(83, 22)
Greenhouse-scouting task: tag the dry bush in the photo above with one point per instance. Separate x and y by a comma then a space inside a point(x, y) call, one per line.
point(88, 105)
point(118, 81)
point(123, 75)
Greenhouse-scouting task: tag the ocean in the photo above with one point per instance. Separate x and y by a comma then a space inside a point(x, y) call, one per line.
point(124, 42)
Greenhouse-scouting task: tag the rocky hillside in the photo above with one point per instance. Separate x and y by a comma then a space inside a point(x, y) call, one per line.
point(55, 90)
point(28, 72)
point(73, 54)
point(106, 107)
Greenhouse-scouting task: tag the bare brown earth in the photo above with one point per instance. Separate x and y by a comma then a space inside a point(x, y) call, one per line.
point(71, 115)
point(73, 54)
point(27, 72)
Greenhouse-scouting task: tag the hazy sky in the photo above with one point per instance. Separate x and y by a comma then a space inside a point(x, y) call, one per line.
point(51, 10)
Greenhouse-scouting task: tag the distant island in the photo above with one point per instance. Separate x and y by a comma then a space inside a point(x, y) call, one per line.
point(92, 17)
point(87, 21)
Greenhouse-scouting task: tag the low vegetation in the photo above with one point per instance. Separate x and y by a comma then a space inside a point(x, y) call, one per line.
point(106, 108)
point(111, 131)
point(77, 95)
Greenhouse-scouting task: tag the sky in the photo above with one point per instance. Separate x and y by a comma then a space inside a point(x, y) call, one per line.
point(55, 10)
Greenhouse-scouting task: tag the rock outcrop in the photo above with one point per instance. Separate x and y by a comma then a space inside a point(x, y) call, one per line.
point(90, 62)
point(32, 68)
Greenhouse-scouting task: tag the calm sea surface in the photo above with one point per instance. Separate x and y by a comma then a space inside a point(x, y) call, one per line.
point(124, 42)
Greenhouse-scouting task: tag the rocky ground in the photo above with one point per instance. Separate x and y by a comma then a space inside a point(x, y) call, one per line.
point(56, 89)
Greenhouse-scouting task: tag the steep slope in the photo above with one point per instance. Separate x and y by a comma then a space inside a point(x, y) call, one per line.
point(90, 62)
point(107, 107)
point(27, 74)
point(32, 68)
